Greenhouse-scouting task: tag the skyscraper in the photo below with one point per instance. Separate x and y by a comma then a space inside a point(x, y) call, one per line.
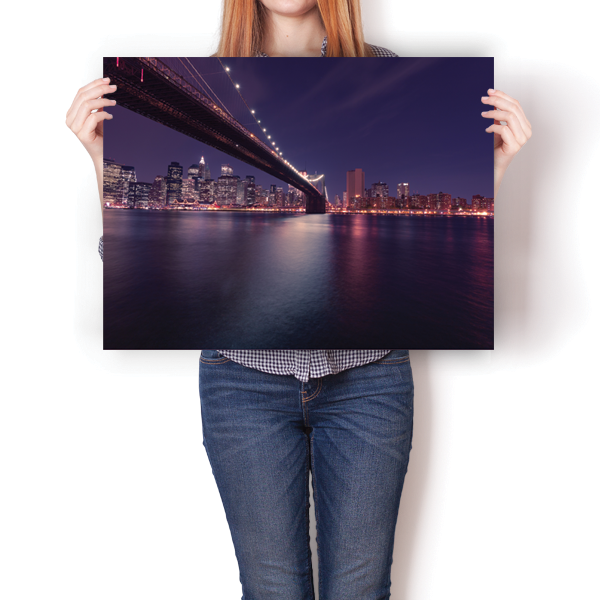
point(157, 197)
point(174, 179)
point(227, 189)
point(380, 190)
point(114, 186)
point(403, 190)
point(355, 185)
point(249, 191)
point(129, 177)
point(202, 169)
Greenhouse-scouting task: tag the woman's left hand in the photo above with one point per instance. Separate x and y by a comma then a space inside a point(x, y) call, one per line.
point(509, 138)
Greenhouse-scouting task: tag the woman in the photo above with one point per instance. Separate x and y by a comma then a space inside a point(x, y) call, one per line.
point(271, 416)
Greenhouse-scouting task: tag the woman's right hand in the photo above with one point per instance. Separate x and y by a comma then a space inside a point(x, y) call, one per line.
point(87, 125)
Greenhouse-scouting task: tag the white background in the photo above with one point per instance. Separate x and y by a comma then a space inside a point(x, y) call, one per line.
point(106, 488)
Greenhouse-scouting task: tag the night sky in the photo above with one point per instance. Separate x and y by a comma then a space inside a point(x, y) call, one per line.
point(415, 120)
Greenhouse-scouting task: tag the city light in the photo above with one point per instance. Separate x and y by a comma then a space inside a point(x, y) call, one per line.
point(376, 200)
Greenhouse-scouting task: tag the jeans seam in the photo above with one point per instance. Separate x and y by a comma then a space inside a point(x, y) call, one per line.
point(314, 476)
point(393, 362)
point(309, 561)
point(215, 362)
point(319, 388)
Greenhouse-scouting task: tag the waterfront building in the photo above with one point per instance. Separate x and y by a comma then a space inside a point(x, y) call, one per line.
point(208, 191)
point(114, 186)
point(355, 186)
point(157, 197)
point(174, 183)
point(139, 193)
point(227, 189)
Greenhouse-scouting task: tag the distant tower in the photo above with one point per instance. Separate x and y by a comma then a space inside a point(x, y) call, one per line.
point(355, 185)
point(403, 190)
point(174, 183)
point(226, 170)
point(379, 189)
point(201, 169)
point(249, 190)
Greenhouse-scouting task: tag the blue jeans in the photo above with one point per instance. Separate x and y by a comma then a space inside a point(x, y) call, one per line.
point(263, 433)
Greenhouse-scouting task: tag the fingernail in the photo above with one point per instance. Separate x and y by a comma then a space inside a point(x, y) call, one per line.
point(106, 79)
point(484, 97)
point(491, 91)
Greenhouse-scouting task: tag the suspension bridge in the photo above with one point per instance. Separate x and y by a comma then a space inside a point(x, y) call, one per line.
point(178, 96)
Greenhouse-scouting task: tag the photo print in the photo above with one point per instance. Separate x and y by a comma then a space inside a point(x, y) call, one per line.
point(296, 203)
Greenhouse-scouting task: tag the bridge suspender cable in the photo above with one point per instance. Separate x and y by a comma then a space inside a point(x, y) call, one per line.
point(243, 100)
point(215, 97)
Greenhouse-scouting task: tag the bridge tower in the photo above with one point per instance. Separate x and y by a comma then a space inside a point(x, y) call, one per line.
point(315, 204)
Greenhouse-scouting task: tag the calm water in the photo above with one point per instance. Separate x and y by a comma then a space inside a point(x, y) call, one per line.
point(191, 280)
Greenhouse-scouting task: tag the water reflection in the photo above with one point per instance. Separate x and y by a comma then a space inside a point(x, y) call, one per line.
point(238, 280)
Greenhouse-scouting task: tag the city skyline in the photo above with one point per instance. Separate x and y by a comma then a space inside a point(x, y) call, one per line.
point(376, 189)
point(434, 152)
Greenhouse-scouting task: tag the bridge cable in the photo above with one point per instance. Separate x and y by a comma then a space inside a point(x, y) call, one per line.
point(244, 101)
point(208, 86)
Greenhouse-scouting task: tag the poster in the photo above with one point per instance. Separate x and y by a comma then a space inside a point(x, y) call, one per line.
point(298, 203)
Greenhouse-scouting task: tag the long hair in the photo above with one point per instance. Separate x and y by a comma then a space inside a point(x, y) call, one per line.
point(243, 28)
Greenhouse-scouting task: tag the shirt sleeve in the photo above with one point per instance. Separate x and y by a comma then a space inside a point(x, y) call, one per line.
point(101, 248)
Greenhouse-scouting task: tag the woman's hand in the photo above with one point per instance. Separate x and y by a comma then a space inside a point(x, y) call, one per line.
point(509, 138)
point(87, 125)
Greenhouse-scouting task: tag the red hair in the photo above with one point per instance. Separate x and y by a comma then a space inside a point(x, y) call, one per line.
point(243, 27)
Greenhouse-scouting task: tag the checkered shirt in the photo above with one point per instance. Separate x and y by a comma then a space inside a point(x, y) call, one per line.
point(302, 364)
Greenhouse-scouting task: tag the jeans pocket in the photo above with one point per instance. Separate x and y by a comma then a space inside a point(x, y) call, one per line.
point(394, 357)
point(212, 356)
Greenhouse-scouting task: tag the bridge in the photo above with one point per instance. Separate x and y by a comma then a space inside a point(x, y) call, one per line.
point(154, 90)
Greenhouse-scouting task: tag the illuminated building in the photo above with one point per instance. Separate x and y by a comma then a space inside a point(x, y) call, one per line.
point(174, 178)
point(157, 197)
point(202, 170)
point(249, 191)
point(279, 197)
point(129, 177)
point(476, 202)
point(139, 193)
point(239, 196)
point(227, 189)
point(355, 185)
point(189, 193)
point(208, 190)
point(114, 186)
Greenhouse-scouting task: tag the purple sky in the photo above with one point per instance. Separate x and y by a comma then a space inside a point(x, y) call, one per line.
point(415, 120)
